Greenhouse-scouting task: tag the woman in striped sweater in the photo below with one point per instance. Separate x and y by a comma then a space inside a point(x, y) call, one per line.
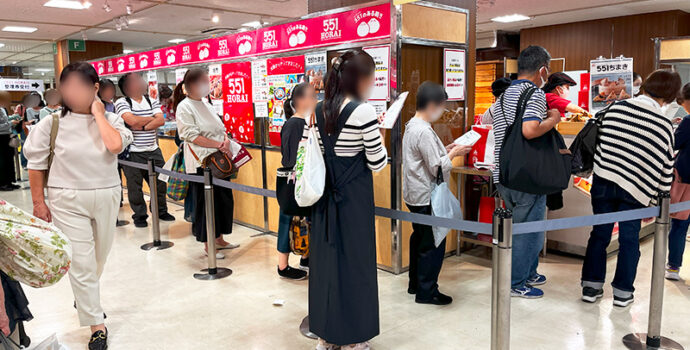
point(343, 291)
point(632, 164)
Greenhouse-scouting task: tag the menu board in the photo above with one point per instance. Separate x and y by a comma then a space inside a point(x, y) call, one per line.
point(454, 74)
point(215, 78)
point(238, 111)
point(382, 57)
point(283, 74)
point(363, 24)
point(259, 81)
point(315, 66)
point(610, 81)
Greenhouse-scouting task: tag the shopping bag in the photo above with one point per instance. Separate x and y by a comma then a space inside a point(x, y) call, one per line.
point(177, 188)
point(482, 153)
point(51, 343)
point(310, 170)
point(299, 235)
point(167, 166)
point(240, 154)
point(443, 204)
point(32, 251)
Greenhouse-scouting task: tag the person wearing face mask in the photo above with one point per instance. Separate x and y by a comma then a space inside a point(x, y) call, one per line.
point(633, 163)
point(637, 82)
point(106, 92)
point(343, 290)
point(299, 107)
point(203, 133)
point(424, 158)
point(52, 97)
point(83, 187)
point(143, 116)
point(557, 89)
point(537, 120)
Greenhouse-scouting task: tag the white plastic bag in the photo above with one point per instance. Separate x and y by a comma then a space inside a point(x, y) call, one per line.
point(310, 170)
point(445, 205)
point(51, 343)
point(168, 166)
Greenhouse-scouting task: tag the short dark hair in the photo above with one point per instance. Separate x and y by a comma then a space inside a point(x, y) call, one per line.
point(636, 76)
point(122, 82)
point(297, 92)
point(663, 84)
point(532, 59)
point(430, 92)
point(557, 79)
point(499, 86)
point(164, 91)
point(84, 71)
point(684, 94)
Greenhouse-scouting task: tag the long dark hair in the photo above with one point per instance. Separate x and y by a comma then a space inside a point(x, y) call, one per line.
point(102, 85)
point(190, 77)
point(342, 80)
point(297, 92)
point(86, 73)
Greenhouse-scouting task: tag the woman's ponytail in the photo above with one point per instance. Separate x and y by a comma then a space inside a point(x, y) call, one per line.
point(178, 95)
point(289, 107)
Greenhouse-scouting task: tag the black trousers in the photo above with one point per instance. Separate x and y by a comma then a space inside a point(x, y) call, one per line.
point(135, 179)
point(223, 205)
point(7, 175)
point(425, 258)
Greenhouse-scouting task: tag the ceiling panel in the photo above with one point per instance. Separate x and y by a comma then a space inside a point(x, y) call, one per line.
point(280, 8)
point(34, 11)
point(44, 32)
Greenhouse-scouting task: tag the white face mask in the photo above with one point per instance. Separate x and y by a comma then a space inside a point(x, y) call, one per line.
point(436, 115)
point(635, 90)
point(204, 89)
point(543, 81)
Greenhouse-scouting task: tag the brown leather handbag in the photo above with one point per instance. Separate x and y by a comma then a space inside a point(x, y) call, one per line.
point(220, 164)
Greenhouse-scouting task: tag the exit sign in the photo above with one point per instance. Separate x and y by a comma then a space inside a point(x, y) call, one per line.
point(76, 45)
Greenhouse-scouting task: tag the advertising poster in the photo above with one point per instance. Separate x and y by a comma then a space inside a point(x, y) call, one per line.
point(179, 75)
point(259, 83)
point(610, 81)
point(152, 80)
point(21, 85)
point(382, 58)
point(283, 74)
point(315, 66)
point(215, 77)
point(454, 74)
point(238, 111)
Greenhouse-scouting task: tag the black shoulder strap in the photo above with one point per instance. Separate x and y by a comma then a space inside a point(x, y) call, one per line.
point(148, 100)
point(522, 104)
point(129, 101)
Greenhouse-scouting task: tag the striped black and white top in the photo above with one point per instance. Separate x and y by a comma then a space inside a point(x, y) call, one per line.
point(504, 116)
point(635, 148)
point(144, 140)
point(361, 132)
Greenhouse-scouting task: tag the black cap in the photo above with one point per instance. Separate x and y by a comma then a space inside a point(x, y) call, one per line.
point(558, 79)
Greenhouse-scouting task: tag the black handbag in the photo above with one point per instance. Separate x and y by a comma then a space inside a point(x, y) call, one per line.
point(285, 193)
point(584, 145)
point(533, 166)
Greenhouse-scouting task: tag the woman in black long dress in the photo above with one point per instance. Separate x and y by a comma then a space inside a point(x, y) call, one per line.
point(343, 291)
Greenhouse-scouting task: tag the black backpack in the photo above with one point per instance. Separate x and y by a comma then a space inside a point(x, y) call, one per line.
point(533, 166)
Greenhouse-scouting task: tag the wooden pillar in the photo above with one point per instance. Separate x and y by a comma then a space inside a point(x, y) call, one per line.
point(92, 50)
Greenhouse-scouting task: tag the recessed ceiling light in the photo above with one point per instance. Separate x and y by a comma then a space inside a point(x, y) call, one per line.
point(102, 31)
point(19, 29)
point(253, 24)
point(215, 18)
point(65, 4)
point(127, 51)
point(510, 18)
point(14, 62)
point(176, 41)
point(43, 69)
point(86, 3)
point(2, 44)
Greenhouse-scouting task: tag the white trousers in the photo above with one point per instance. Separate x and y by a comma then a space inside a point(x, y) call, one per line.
point(88, 218)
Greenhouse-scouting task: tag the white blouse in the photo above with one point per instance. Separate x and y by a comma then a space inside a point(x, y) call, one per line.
point(197, 118)
point(81, 159)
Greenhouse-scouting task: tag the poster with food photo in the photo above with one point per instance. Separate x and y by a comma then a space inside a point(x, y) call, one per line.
point(283, 74)
point(215, 78)
point(316, 72)
point(152, 81)
point(610, 81)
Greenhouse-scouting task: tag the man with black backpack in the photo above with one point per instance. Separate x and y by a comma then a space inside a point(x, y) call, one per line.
point(143, 116)
point(523, 99)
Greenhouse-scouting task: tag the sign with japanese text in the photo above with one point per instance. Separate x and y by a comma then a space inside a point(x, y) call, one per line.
point(238, 111)
point(283, 73)
point(382, 57)
point(610, 81)
point(21, 85)
point(454, 74)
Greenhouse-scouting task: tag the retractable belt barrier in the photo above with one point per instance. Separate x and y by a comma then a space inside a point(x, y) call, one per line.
point(455, 224)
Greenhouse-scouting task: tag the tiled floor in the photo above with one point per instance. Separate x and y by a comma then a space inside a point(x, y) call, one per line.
point(153, 302)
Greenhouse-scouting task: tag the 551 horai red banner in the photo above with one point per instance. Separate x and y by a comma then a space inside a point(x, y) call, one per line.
point(238, 110)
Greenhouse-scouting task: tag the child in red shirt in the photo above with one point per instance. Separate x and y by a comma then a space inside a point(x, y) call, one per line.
point(556, 89)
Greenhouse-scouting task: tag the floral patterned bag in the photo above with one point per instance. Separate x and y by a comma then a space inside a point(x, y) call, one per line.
point(32, 251)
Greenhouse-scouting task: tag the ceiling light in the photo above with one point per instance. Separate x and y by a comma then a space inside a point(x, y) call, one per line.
point(43, 74)
point(2, 44)
point(19, 29)
point(28, 73)
point(253, 24)
point(103, 31)
point(129, 9)
point(510, 18)
point(14, 62)
point(127, 51)
point(118, 27)
point(65, 4)
point(215, 18)
point(86, 3)
point(106, 6)
point(43, 69)
point(176, 41)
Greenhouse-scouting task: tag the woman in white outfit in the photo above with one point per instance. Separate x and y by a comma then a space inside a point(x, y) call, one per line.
point(83, 185)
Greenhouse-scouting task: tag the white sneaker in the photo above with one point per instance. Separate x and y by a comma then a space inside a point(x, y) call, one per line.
point(229, 246)
point(219, 255)
point(323, 345)
point(672, 274)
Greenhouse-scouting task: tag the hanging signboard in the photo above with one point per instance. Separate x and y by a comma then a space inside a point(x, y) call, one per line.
point(259, 83)
point(454, 74)
point(21, 85)
point(364, 24)
point(215, 78)
point(382, 57)
point(283, 74)
point(238, 111)
point(315, 66)
point(152, 80)
point(610, 81)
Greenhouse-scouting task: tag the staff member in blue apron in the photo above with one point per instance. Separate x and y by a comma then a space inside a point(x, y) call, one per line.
point(343, 291)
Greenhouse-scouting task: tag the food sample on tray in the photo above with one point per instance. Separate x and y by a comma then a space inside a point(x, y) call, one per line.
point(579, 117)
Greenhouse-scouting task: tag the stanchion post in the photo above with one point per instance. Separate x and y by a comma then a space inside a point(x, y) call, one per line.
point(17, 165)
point(213, 272)
point(500, 274)
point(155, 221)
point(653, 339)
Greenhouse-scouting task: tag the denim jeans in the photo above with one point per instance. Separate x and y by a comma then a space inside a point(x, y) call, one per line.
point(607, 197)
point(284, 233)
point(526, 247)
point(676, 242)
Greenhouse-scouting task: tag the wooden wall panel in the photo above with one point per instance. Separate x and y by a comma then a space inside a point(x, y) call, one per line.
point(434, 24)
point(610, 37)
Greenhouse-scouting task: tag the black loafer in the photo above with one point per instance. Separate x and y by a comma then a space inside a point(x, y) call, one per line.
point(166, 217)
point(411, 290)
point(140, 223)
point(99, 340)
point(438, 299)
